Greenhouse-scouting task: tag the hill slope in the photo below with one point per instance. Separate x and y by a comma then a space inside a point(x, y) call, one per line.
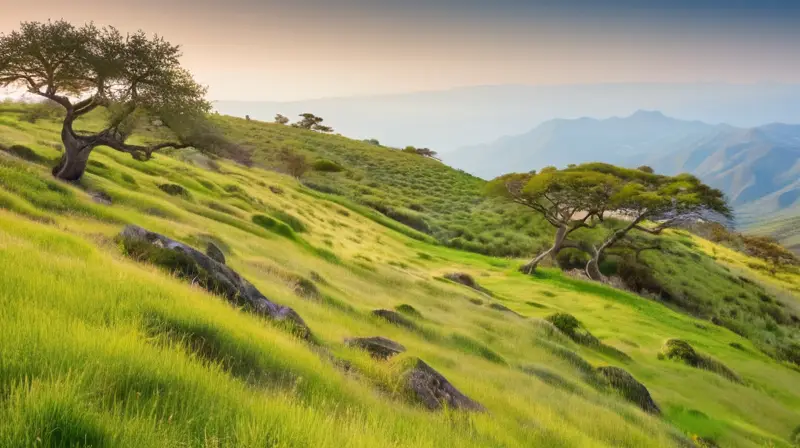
point(758, 168)
point(100, 349)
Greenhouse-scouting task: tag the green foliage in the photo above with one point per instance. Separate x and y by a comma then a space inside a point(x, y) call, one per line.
point(174, 190)
point(274, 225)
point(326, 166)
point(291, 220)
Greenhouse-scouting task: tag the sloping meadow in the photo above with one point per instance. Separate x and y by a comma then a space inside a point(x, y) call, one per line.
point(103, 350)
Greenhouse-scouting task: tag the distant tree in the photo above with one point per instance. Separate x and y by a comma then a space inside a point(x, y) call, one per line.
point(640, 196)
point(280, 119)
point(83, 68)
point(425, 152)
point(312, 122)
point(410, 149)
point(568, 201)
point(372, 141)
point(295, 164)
point(646, 169)
point(247, 117)
point(769, 250)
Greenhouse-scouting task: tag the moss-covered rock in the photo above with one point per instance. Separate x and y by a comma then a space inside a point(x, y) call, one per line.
point(395, 318)
point(378, 347)
point(408, 310)
point(174, 190)
point(430, 388)
point(572, 327)
point(680, 350)
point(628, 387)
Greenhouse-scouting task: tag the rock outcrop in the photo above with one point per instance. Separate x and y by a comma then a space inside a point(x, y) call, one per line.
point(379, 347)
point(215, 253)
point(187, 262)
point(466, 280)
point(433, 390)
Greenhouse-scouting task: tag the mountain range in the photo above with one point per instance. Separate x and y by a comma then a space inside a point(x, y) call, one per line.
point(757, 167)
point(449, 119)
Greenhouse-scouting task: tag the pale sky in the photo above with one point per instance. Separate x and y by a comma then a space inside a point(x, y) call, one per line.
point(301, 49)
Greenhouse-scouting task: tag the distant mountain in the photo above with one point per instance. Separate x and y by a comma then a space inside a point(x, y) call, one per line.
point(758, 168)
point(446, 120)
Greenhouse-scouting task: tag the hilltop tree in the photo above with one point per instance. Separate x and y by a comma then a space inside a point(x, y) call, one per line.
point(567, 200)
point(641, 196)
point(83, 68)
point(280, 119)
point(312, 122)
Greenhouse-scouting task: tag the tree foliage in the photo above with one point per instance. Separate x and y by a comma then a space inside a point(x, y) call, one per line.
point(295, 164)
point(312, 122)
point(83, 68)
point(281, 119)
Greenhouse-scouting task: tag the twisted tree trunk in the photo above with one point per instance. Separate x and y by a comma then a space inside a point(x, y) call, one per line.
point(76, 154)
point(561, 235)
point(593, 266)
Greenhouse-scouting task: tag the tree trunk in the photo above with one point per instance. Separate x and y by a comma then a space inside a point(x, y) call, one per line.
point(593, 266)
point(561, 235)
point(75, 158)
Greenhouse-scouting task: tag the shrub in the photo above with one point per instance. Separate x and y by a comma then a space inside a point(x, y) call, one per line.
point(294, 222)
point(25, 153)
point(326, 166)
point(174, 190)
point(573, 328)
point(273, 225)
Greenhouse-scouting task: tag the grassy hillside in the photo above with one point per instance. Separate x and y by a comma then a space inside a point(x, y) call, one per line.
point(97, 349)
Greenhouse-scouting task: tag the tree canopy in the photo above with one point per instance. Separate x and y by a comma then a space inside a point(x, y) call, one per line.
point(312, 122)
point(582, 195)
point(83, 68)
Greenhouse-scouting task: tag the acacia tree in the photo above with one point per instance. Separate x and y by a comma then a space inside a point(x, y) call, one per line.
point(83, 68)
point(641, 196)
point(312, 122)
point(568, 200)
point(281, 119)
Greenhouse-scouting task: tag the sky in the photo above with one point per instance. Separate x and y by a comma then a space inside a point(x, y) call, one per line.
point(270, 50)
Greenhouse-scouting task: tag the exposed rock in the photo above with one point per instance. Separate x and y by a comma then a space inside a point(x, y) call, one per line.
point(395, 318)
point(215, 253)
point(189, 263)
point(466, 280)
point(101, 197)
point(434, 391)
point(379, 347)
point(630, 389)
point(275, 189)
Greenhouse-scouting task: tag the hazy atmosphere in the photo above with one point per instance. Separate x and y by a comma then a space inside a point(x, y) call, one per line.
point(400, 223)
point(271, 50)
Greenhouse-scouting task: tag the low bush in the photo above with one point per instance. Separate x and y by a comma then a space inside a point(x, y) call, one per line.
point(326, 166)
point(274, 225)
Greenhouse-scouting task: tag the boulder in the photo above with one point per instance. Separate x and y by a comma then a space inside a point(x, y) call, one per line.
point(434, 391)
point(215, 253)
point(187, 262)
point(680, 350)
point(466, 280)
point(408, 309)
point(627, 386)
point(379, 347)
point(395, 318)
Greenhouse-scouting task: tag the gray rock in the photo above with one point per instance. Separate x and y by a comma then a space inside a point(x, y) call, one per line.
point(435, 392)
point(466, 280)
point(379, 347)
point(214, 276)
point(215, 253)
point(395, 318)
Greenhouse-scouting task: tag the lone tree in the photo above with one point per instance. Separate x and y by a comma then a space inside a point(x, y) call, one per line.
point(281, 119)
point(665, 201)
point(312, 122)
point(294, 163)
point(83, 68)
point(568, 200)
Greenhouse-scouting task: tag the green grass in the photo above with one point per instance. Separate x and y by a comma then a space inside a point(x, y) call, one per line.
point(97, 349)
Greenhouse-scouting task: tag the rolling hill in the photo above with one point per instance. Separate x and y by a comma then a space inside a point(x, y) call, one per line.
point(101, 345)
point(758, 168)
